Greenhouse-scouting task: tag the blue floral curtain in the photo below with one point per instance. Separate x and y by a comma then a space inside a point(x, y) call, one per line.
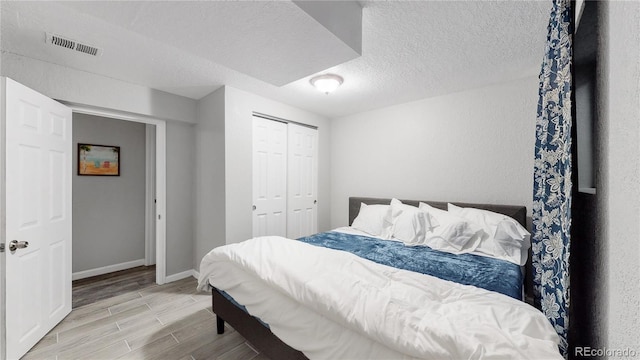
point(552, 174)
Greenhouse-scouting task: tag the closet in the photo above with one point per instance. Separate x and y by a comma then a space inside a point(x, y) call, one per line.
point(285, 178)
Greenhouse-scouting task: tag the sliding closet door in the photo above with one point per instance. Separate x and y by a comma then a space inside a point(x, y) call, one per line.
point(269, 177)
point(302, 215)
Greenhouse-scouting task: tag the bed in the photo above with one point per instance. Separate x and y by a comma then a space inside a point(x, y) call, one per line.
point(327, 316)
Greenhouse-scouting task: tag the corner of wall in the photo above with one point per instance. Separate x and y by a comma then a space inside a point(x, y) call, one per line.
point(239, 108)
point(209, 187)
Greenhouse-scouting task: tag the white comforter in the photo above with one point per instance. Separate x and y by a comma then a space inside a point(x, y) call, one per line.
point(331, 304)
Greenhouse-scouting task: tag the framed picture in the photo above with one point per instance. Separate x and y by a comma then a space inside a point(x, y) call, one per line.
point(98, 160)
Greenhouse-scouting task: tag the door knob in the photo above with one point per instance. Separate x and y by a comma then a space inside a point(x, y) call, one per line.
point(15, 245)
point(254, 208)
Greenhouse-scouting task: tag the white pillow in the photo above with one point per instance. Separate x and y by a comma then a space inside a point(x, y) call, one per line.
point(505, 238)
point(511, 243)
point(410, 224)
point(372, 220)
point(453, 234)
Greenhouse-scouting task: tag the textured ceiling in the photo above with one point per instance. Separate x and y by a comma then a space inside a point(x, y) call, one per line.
point(410, 50)
point(274, 41)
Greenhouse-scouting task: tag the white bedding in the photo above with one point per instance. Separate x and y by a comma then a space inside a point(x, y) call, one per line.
point(353, 231)
point(331, 304)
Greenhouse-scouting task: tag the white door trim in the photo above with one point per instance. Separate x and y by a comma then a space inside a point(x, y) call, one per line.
point(3, 336)
point(161, 173)
point(150, 178)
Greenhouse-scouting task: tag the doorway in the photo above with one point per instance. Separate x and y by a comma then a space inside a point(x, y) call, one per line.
point(155, 180)
point(109, 189)
point(36, 209)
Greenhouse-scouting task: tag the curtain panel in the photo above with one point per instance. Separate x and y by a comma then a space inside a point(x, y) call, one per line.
point(551, 211)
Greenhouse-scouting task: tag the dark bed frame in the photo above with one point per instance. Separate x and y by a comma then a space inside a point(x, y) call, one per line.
point(270, 345)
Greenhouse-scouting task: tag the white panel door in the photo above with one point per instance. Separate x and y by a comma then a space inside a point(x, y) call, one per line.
point(269, 177)
point(302, 194)
point(38, 211)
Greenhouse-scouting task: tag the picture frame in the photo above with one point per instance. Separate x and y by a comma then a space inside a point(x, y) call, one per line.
point(98, 160)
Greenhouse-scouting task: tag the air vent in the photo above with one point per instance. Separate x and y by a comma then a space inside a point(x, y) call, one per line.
point(61, 41)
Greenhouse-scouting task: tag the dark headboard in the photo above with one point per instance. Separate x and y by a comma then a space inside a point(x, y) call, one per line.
point(519, 213)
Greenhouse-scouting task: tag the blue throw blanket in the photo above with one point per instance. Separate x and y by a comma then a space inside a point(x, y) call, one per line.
point(480, 271)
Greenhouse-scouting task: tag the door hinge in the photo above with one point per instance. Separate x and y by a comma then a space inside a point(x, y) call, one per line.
point(1, 247)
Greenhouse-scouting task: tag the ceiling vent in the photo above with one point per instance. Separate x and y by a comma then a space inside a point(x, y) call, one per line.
point(61, 41)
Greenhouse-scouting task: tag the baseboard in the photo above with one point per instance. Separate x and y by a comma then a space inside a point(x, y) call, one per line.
point(196, 274)
point(106, 269)
point(179, 276)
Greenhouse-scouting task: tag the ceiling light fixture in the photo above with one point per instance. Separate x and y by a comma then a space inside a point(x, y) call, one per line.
point(327, 82)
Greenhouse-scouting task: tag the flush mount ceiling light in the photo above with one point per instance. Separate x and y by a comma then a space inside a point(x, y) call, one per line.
point(327, 82)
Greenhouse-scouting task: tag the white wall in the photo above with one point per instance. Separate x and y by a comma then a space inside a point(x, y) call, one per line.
point(63, 83)
point(239, 106)
point(3, 347)
point(472, 146)
point(109, 211)
point(180, 196)
point(619, 170)
point(224, 170)
point(210, 216)
point(85, 88)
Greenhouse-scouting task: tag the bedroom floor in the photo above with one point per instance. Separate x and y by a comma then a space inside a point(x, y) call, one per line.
point(138, 319)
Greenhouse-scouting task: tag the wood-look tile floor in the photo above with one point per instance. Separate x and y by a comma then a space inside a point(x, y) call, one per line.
point(89, 290)
point(143, 321)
